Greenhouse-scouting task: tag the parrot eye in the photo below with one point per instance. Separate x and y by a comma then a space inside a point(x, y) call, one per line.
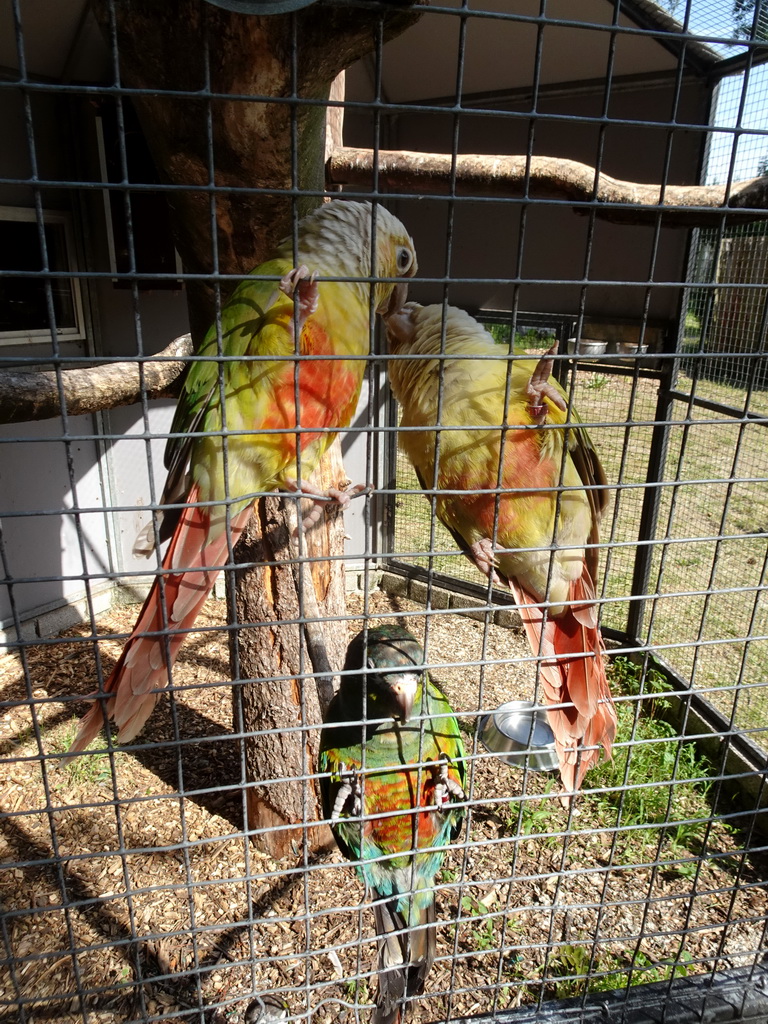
point(404, 259)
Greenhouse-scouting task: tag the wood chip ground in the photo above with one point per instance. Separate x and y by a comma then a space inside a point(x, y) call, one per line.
point(130, 892)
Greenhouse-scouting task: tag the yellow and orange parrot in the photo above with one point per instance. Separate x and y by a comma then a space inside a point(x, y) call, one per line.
point(514, 546)
point(238, 437)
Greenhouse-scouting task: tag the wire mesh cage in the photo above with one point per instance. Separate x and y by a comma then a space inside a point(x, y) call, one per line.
point(580, 182)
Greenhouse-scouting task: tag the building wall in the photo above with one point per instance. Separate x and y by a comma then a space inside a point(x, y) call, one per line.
point(43, 473)
point(105, 464)
point(550, 244)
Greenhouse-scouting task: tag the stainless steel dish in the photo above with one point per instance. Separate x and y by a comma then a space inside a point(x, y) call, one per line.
point(518, 732)
point(628, 348)
point(590, 347)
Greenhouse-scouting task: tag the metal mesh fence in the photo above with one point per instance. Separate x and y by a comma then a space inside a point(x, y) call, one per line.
point(171, 877)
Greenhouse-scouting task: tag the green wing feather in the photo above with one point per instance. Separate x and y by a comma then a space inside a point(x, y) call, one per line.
point(587, 464)
point(245, 330)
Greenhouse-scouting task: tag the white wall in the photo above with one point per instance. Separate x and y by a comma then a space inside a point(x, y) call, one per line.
point(41, 475)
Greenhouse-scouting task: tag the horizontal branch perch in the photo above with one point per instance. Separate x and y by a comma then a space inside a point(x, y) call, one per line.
point(36, 396)
point(548, 178)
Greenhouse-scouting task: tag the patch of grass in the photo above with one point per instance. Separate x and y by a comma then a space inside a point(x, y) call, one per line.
point(533, 338)
point(536, 815)
point(701, 458)
point(692, 325)
point(86, 768)
point(574, 972)
point(525, 339)
point(356, 991)
point(626, 679)
point(483, 933)
point(659, 778)
point(596, 382)
point(472, 907)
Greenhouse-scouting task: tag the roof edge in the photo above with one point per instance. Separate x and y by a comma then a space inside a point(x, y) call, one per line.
point(649, 15)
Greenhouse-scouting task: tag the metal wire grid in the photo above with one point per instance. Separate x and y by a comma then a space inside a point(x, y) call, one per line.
point(575, 906)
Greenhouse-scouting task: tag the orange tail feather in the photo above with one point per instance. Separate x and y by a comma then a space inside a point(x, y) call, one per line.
point(143, 670)
point(572, 674)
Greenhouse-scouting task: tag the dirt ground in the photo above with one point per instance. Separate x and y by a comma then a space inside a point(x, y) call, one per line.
point(133, 884)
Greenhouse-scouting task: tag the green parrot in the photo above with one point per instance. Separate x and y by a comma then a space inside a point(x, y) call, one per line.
point(377, 759)
point(292, 362)
point(490, 407)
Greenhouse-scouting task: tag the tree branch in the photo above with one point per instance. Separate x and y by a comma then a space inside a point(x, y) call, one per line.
point(545, 177)
point(35, 396)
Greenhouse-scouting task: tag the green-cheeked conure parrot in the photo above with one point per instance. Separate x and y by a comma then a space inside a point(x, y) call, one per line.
point(536, 537)
point(394, 769)
point(279, 401)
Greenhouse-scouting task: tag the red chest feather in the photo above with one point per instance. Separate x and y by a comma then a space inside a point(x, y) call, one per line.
point(327, 389)
point(395, 833)
point(476, 471)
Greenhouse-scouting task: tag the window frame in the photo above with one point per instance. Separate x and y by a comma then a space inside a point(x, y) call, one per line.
point(38, 335)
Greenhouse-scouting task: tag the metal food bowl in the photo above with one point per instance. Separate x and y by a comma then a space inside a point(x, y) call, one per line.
point(591, 347)
point(629, 348)
point(518, 733)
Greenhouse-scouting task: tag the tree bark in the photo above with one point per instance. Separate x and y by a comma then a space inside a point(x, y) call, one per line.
point(238, 162)
point(241, 147)
point(270, 605)
point(544, 177)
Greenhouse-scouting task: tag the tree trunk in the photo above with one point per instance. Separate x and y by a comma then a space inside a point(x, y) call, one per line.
point(238, 145)
point(271, 643)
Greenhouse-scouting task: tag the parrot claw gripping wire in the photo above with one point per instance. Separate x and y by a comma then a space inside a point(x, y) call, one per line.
point(446, 788)
point(349, 790)
point(481, 553)
point(301, 286)
point(539, 388)
point(333, 494)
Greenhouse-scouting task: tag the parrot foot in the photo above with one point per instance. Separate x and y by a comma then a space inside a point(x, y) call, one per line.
point(446, 788)
point(301, 286)
point(481, 553)
point(539, 388)
point(349, 792)
point(321, 501)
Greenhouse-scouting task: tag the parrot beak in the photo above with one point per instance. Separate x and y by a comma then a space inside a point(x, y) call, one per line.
point(399, 324)
point(397, 299)
point(403, 691)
